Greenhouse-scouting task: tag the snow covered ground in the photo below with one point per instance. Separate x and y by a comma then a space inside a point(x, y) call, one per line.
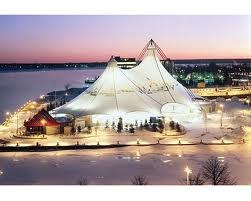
point(159, 163)
point(236, 125)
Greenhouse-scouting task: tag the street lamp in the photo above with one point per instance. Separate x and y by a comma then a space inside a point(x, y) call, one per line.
point(222, 108)
point(164, 124)
point(188, 171)
point(17, 123)
point(204, 112)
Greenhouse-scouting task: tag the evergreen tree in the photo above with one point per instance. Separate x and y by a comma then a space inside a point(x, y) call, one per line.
point(113, 125)
point(131, 129)
point(141, 126)
point(154, 127)
point(146, 123)
point(136, 123)
point(79, 129)
point(106, 124)
point(160, 124)
point(119, 127)
point(177, 126)
point(172, 124)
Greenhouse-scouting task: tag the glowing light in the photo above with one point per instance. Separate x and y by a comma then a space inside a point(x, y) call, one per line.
point(43, 122)
point(188, 171)
point(7, 113)
point(138, 154)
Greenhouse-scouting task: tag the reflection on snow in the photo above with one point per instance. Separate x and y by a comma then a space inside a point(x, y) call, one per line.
point(134, 158)
point(166, 161)
point(221, 158)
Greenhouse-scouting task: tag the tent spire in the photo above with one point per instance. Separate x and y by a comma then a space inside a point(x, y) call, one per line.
point(152, 45)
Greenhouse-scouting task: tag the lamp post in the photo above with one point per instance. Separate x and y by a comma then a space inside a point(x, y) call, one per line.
point(8, 115)
point(205, 120)
point(17, 123)
point(222, 108)
point(164, 124)
point(188, 171)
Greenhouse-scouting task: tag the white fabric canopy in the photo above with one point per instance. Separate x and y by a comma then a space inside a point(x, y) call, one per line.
point(147, 88)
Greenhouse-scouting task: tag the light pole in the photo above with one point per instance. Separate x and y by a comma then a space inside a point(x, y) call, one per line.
point(205, 120)
point(188, 171)
point(222, 108)
point(17, 123)
point(8, 115)
point(164, 124)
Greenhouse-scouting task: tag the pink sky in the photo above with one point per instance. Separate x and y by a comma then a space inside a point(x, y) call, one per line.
point(96, 38)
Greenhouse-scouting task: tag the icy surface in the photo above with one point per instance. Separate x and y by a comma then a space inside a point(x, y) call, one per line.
point(161, 164)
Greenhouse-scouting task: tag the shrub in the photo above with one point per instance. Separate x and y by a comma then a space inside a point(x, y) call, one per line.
point(131, 129)
point(160, 124)
point(177, 126)
point(154, 127)
point(172, 125)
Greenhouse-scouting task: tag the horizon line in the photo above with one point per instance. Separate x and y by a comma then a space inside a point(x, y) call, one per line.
point(245, 58)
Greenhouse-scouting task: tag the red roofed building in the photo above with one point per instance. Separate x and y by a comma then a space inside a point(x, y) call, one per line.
point(43, 123)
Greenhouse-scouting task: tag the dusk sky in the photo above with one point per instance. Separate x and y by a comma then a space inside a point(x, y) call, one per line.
point(95, 38)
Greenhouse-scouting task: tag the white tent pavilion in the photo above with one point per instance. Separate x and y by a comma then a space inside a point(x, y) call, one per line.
point(145, 88)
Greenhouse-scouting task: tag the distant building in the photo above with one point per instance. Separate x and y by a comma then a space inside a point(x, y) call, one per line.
point(169, 66)
point(126, 63)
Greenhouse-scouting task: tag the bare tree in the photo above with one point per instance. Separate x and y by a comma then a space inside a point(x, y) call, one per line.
point(83, 181)
point(197, 179)
point(139, 180)
point(217, 173)
point(194, 179)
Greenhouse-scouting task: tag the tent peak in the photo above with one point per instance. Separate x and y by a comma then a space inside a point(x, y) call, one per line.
point(151, 44)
